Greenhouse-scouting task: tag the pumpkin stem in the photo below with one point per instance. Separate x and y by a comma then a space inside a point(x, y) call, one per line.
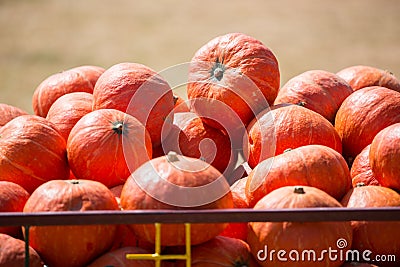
point(287, 150)
point(299, 190)
point(218, 73)
point(172, 156)
point(360, 184)
point(118, 127)
point(74, 182)
point(175, 99)
point(301, 103)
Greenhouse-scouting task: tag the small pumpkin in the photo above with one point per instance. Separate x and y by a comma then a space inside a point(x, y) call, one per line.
point(360, 76)
point(360, 171)
point(384, 156)
point(180, 105)
point(118, 258)
point(8, 112)
point(106, 145)
point(312, 165)
point(71, 245)
point(12, 253)
point(32, 151)
point(287, 126)
point(78, 79)
point(299, 236)
point(176, 182)
point(318, 90)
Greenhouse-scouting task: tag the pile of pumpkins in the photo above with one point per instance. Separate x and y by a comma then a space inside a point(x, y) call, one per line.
point(121, 139)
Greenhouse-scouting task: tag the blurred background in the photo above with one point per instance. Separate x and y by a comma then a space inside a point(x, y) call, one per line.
point(41, 37)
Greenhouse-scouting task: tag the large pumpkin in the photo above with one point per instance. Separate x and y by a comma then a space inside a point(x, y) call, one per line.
point(288, 236)
point(318, 90)
point(74, 245)
point(12, 199)
point(231, 79)
point(68, 109)
point(193, 138)
point(106, 145)
point(360, 171)
point(32, 151)
point(176, 182)
point(381, 238)
point(8, 112)
point(78, 79)
point(12, 253)
point(139, 91)
point(363, 114)
point(360, 76)
point(312, 165)
point(287, 126)
point(118, 258)
point(385, 156)
point(221, 251)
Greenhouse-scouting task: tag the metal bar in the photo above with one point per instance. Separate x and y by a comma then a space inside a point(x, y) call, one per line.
point(158, 244)
point(188, 254)
point(199, 216)
point(26, 245)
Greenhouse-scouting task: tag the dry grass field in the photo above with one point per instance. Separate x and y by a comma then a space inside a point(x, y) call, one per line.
point(42, 37)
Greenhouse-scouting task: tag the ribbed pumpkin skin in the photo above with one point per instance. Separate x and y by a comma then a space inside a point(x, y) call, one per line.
point(12, 253)
point(78, 79)
point(139, 91)
point(32, 151)
point(363, 114)
point(8, 112)
point(385, 156)
point(231, 79)
point(299, 236)
point(176, 182)
point(221, 252)
point(68, 109)
point(311, 165)
point(360, 171)
point(382, 238)
point(71, 246)
point(361, 76)
point(118, 258)
point(287, 126)
point(318, 90)
point(106, 145)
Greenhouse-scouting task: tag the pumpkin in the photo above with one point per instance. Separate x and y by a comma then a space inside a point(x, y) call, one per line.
point(32, 151)
point(381, 238)
point(191, 137)
point(221, 251)
point(180, 104)
point(118, 258)
point(12, 199)
point(384, 156)
point(68, 109)
point(363, 114)
point(231, 79)
point(318, 90)
point(265, 237)
point(360, 76)
point(287, 126)
point(313, 165)
point(176, 182)
point(238, 230)
point(78, 79)
point(71, 245)
point(12, 253)
point(139, 91)
point(360, 171)
point(106, 145)
point(8, 112)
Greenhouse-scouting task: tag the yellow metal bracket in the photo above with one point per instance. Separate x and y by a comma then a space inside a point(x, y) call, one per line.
point(157, 257)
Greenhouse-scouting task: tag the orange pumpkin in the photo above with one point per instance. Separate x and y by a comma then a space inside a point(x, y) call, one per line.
point(8, 113)
point(363, 114)
point(12, 253)
point(180, 104)
point(68, 109)
point(32, 151)
point(118, 258)
point(360, 171)
point(106, 145)
point(312, 165)
point(361, 76)
point(264, 237)
point(318, 90)
point(71, 245)
point(139, 91)
point(12, 199)
point(381, 238)
point(176, 182)
point(78, 79)
point(384, 156)
point(287, 126)
point(231, 79)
